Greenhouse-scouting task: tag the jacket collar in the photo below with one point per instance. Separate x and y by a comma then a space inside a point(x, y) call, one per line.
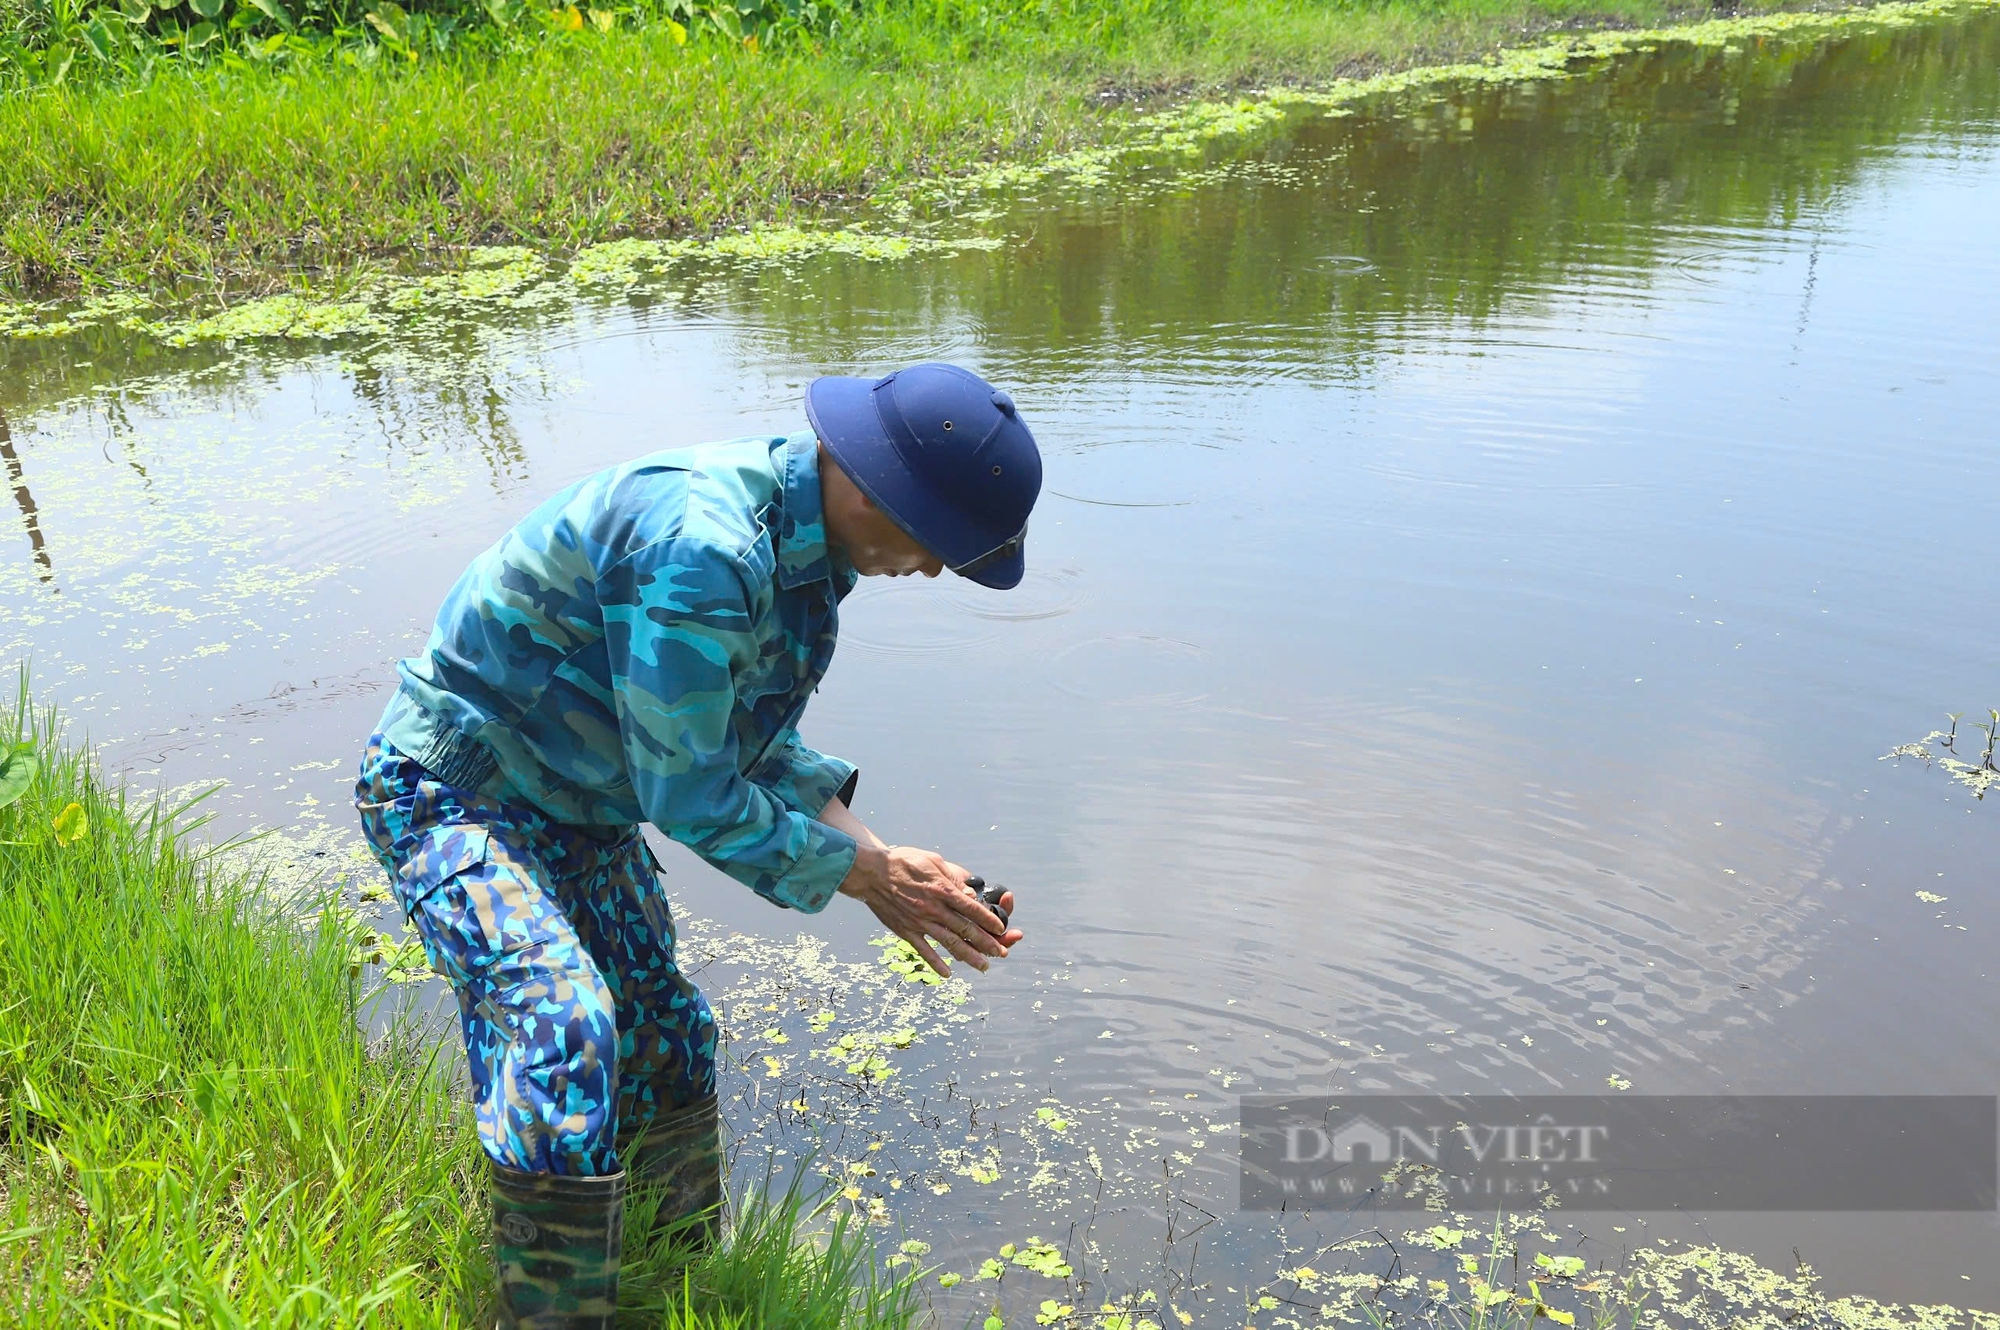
point(803, 555)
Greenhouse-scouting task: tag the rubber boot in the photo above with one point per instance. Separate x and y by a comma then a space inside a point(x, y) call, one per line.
point(679, 1155)
point(556, 1242)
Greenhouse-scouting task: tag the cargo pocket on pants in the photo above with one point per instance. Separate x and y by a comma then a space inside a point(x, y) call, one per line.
point(440, 854)
point(443, 919)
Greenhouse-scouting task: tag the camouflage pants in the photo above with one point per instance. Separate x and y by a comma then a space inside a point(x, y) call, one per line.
point(560, 946)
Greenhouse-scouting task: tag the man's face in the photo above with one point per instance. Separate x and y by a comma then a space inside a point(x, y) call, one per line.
point(889, 552)
point(863, 533)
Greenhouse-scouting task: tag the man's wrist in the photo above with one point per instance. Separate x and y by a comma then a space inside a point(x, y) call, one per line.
point(871, 869)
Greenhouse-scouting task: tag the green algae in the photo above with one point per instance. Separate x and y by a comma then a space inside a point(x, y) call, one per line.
point(1187, 130)
point(1516, 1280)
point(292, 317)
point(502, 277)
point(1940, 748)
point(876, 1080)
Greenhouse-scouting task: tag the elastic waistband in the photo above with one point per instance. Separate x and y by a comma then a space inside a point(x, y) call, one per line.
point(454, 757)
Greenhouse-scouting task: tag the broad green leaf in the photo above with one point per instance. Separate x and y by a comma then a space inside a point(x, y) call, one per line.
point(72, 824)
point(200, 35)
point(679, 32)
point(18, 768)
point(604, 20)
point(97, 36)
point(208, 9)
point(388, 18)
point(276, 11)
point(136, 12)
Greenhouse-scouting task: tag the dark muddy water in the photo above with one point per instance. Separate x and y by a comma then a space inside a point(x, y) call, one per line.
point(1489, 541)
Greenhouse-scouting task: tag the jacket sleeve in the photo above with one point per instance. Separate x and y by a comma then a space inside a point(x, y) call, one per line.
point(803, 778)
point(679, 620)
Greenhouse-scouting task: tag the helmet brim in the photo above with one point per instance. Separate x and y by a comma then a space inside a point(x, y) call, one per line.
point(842, 412)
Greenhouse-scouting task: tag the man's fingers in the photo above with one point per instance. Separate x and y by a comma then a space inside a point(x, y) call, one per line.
point(980, 913)
point(965, 951)
point(949, 911)
point(921, 945)
point(970, 923)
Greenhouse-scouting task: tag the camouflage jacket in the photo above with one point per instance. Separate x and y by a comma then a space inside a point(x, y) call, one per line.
point(640, 648)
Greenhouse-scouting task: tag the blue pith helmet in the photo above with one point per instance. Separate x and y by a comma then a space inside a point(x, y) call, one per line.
point(944, 454)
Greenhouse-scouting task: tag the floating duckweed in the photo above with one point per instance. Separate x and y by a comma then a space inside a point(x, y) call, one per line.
point(481, 256)
point(616, 262)
point(1042, 1258)
point(292, 317)
point(1439, 1238)
point(1941, 747)
point(104, 307)
point(1185, 130)
point(498, 274)
point(494, 277)
point(902, 959)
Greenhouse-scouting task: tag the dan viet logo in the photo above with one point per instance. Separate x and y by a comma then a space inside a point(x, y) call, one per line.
point(1663, 1152)
point(1362, 1140)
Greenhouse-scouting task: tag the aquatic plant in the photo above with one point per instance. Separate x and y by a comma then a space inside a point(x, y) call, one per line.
point(1940, 747)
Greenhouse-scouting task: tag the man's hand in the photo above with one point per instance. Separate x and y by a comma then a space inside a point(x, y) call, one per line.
point(919, 895)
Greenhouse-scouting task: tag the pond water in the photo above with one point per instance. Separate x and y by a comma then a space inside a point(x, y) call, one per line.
point(1489, 540)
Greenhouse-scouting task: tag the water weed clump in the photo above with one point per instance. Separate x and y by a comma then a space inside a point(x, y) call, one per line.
point(1941, 747)
point(1186, 131)
point(491, 278)
point(195, 1127)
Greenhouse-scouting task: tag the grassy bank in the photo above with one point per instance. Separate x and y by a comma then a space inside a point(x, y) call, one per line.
point(247, 174)
point(193, 1129)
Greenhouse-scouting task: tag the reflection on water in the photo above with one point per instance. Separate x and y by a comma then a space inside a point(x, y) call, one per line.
point(31, 518)
point(1489, 540)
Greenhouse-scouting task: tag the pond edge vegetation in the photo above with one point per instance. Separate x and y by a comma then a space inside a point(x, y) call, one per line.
point(198, 1128)
point(210, 184)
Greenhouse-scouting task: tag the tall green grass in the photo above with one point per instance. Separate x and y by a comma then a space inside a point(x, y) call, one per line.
point(195, 1131)
point(216, 175)
point(246, 175)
